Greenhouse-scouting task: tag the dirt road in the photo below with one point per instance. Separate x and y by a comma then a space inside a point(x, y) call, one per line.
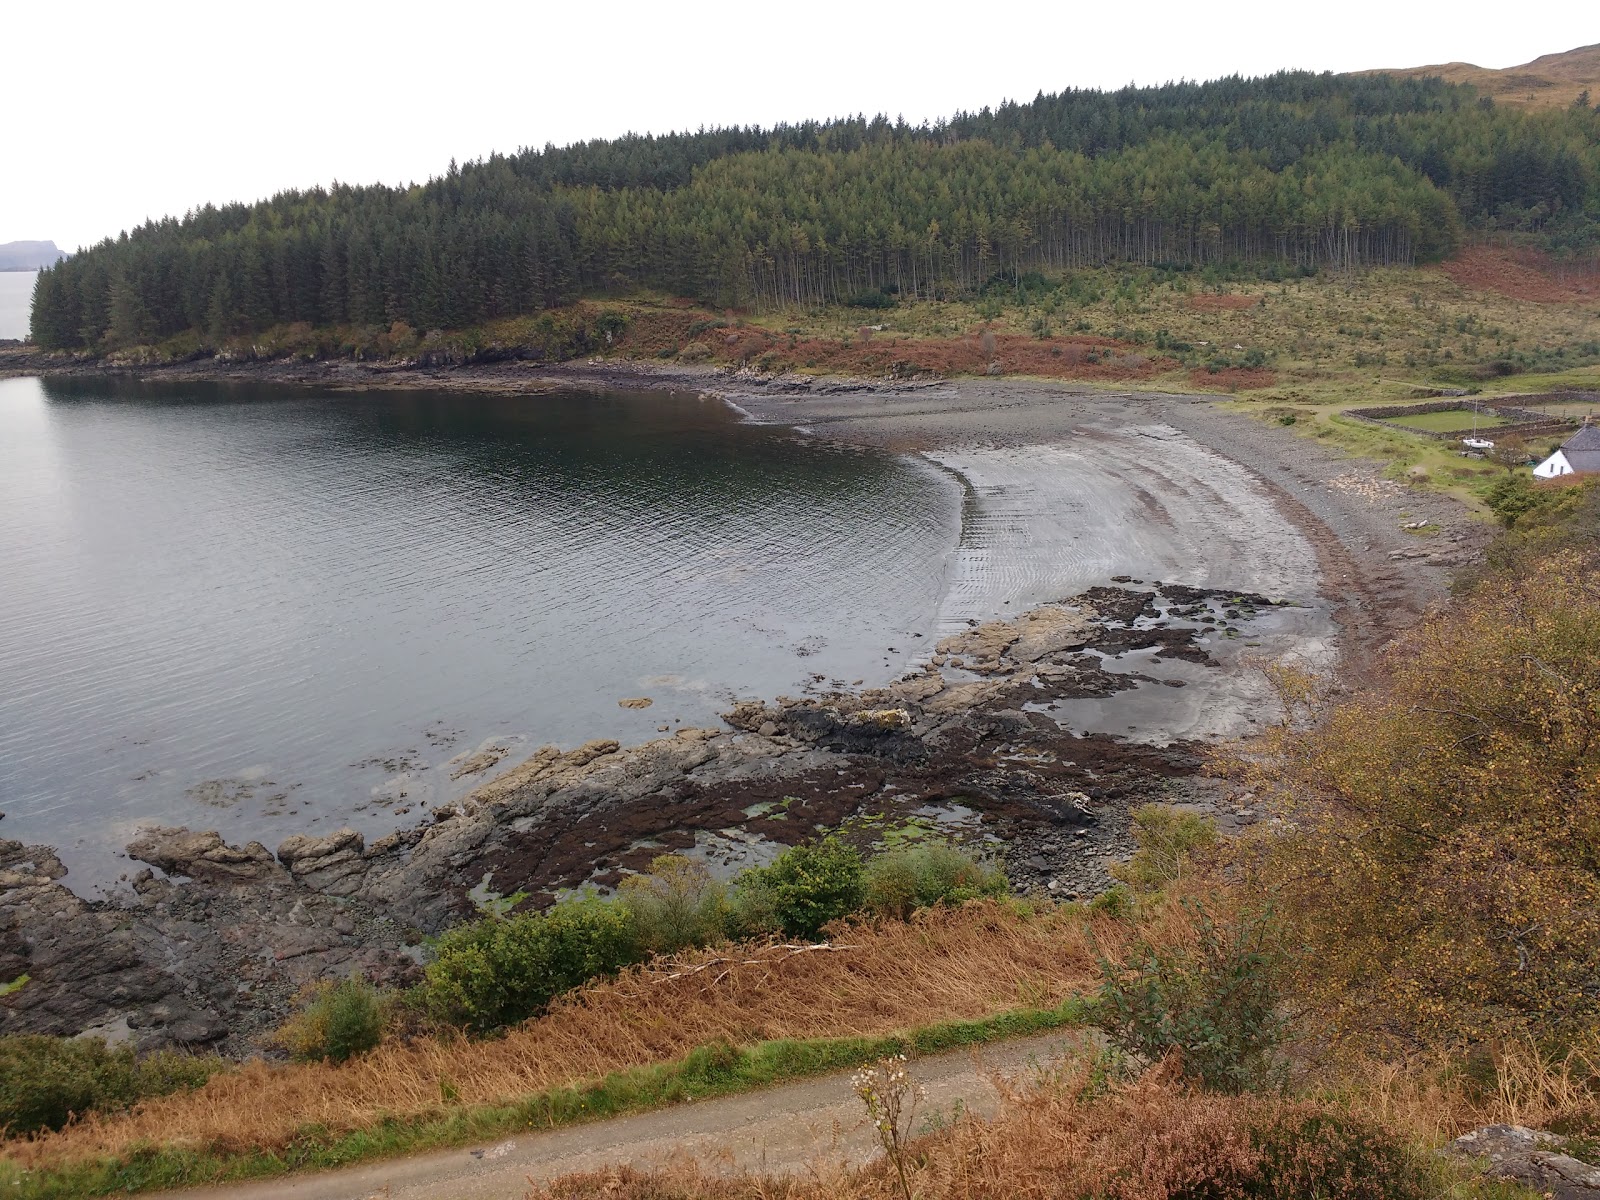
point(783, 1128)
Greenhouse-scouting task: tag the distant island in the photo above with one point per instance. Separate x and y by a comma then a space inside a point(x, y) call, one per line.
point(29, 256)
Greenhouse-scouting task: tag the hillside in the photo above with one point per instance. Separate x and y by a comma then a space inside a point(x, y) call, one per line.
point(1293, 171)
point(28, 256)
point(1549, 81)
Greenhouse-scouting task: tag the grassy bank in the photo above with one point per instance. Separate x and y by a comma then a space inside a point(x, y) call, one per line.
point(719, 1069)
point(983, 963)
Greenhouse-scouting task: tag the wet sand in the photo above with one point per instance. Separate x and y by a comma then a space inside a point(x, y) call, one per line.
point(1068, 486)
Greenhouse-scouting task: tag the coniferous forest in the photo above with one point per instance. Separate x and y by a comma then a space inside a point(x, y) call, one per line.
point(1307, 170)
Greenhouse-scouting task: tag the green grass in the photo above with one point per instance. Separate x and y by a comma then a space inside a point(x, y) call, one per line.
point(1453, 420)
point(715, 1070)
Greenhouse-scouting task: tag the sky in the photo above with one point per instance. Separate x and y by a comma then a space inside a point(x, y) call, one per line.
point(119, 112)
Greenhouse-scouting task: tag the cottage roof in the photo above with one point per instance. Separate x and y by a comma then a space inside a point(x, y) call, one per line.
point(1583, 461)
point(1586, 439)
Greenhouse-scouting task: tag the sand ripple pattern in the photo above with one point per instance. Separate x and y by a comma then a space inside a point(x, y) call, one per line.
point(1043, 521)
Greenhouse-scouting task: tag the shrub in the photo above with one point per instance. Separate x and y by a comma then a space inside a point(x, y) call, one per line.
point(340, 1021)
point(678, 904)
point(1304, 1151)
point(502, 970)
point(898, 882)
point(1440, 870)
point(803, 889)
point(874, 298)
point(1211, 1001)
point(1167, 838)
point(1513, 496)
point(46, 1081)
point(1115, 902)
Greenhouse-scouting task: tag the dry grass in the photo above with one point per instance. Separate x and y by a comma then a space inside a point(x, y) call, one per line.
point(952, 965)
point(1522, 273)
point(1549, 81)
point(1148, 1141)
point(1515, 1084)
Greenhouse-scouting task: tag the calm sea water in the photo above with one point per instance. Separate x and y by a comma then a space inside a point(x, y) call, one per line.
point(16, 302)
point(265, 612)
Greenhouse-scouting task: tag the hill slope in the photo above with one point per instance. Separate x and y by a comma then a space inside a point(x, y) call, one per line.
point(1294, 170)
point(1549, 81)
point(28, 256)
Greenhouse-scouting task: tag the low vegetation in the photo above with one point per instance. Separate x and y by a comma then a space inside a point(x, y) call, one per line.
point(339, 1021)
point(44, 1081)
point(1426, 964)
point(1155, 1138)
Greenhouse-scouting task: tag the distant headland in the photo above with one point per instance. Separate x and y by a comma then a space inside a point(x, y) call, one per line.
point(29, 256)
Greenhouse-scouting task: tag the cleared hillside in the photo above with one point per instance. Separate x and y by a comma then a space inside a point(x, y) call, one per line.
point(1549, 81)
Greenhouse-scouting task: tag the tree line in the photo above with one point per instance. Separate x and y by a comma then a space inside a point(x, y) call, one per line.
point(1308, 169)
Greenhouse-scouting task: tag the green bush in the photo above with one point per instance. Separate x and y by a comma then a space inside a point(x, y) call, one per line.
point(502, 970)
point(46, 1081)
point(1166, 838)
point(341, 1020)
point(1512, 496)
point(1213, 1003)
point(874, 298)
point(898, 882)
point(1116, 902)
point(803, 889)
point(678, 904)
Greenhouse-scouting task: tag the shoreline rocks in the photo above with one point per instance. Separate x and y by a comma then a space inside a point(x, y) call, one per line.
point(217, 939)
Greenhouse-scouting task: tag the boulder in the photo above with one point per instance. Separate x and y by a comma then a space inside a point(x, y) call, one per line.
point(1529, 1156)
point(203, 856)
point(334, 864)
point(1049, 630)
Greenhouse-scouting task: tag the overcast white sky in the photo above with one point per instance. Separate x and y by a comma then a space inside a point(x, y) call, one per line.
point(114, 112)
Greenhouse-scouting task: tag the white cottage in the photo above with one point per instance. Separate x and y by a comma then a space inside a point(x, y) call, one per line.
point(1580, 452)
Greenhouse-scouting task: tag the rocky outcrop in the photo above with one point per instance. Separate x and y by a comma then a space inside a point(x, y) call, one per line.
point(1001, 647)
point(335, 864)
point(203, 856)
point(212, 949)
point(209, 960)
point(1529, 1156)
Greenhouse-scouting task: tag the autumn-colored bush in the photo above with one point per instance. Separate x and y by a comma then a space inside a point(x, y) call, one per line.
point(1151, 1140)
point(1442, 874)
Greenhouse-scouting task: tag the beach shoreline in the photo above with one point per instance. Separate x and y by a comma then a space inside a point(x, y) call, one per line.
point(1169, 529)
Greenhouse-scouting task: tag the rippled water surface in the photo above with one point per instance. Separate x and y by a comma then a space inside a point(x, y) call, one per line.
point(266, 611)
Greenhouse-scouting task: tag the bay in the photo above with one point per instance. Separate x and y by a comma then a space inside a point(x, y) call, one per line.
point(267, 611)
